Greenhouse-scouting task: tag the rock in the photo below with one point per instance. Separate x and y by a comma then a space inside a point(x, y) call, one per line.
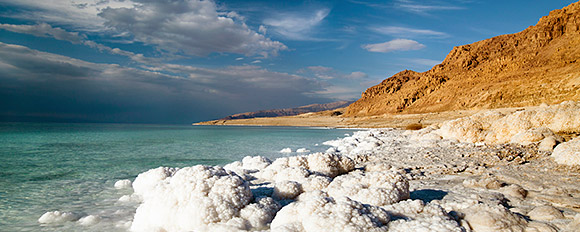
point(545, 213)
point(547, 144)
point(514, 190)
point(568, 153)
point(485, 218)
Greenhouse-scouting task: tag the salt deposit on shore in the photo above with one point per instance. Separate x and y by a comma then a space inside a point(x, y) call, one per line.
point(486, 172)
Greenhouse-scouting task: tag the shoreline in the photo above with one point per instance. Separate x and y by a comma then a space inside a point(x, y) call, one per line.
point(492, 171)
point(324, 119)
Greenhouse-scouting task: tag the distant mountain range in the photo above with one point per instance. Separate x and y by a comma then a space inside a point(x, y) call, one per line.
point(538, 65)
point(290, 111)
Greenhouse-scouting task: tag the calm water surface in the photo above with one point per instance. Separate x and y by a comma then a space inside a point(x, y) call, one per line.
point(73, 167)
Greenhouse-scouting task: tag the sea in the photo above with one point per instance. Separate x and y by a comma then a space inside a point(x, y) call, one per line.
point(73, 167)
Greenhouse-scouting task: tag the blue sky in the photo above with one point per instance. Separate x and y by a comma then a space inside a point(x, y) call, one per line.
point(182, 61)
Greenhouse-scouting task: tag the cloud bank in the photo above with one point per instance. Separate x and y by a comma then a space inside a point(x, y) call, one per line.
point(189, 26)
point(394, 45)
point(408, 32)
point(37, 84)
point(297, 26)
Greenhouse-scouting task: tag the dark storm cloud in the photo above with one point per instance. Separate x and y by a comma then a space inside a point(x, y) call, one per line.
point(45, 85)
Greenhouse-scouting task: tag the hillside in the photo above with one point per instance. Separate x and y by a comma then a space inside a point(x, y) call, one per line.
point(290, 111)
point(538, 65)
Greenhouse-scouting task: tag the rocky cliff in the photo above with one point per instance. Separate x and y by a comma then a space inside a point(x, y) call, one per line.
point(538, 65)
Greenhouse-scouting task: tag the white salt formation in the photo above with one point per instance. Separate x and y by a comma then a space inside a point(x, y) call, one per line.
point(122, 184)
point(302, 150)
point(89, 220)
point(57, 217)
point(190, 199)
point(316, 211)
point(440, 178)
point(568, 153)
point(523, 127)
point(375, 188)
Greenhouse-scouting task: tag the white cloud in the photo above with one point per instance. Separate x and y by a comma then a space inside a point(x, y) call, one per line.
point(328, 73)
point(424, 7)
point(262, 29)
point(297, 26)
point(256, 62)
point(356, 75)
point(239, 58)
point(192, 27)
point(45, 30)
point(80, 14)
point(394, 45)
point(408, 32)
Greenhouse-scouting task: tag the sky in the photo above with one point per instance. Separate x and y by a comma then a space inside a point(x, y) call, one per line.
point(184, 61)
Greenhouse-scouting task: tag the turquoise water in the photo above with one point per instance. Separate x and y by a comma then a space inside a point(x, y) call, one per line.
point(73, 167)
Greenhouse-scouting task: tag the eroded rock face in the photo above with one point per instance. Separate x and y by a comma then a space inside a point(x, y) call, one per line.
point(539, 64)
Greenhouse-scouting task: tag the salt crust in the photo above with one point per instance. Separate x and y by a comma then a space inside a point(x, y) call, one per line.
point(324, 191)
point(57, 217)
point(192, 198)
point(568, 153)
point(89, 220)
point(523, 127)
point(375, 188)
point(316, 211)
point(123, 184)
point(487, 218)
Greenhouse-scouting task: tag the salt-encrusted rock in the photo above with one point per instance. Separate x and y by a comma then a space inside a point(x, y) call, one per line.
point(568, 153)
point(534, 226)
point(302, 150)
point(122, 184)
point(316, 211)
point(89, 220)
point(533, 135)
point(192, 198)
point(287, 189)
point(315, 182)
point(58, 217)
point(547, 144)
point(488, 182)
point(149, 179)
point(376, 188)
point(545, 213)
point(432, 224)
point(522, 127)
point(377, 167)
point(514, 190)
point(329, 164)
point(361, 142)
point(486, 218)
point(413, 209)
point(574, 224)
point(298, 168)
point(260, 214)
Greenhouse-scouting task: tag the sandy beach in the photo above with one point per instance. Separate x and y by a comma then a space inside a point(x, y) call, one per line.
point(325, 119)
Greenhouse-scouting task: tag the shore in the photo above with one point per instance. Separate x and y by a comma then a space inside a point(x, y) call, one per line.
point(325, 119)
point(491, 170)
